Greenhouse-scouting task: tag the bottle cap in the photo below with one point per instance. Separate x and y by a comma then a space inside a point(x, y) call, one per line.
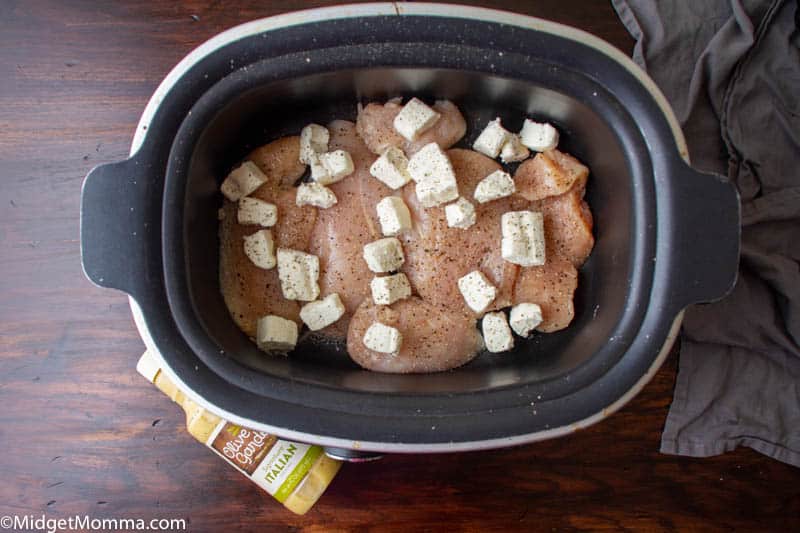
point(148, 366)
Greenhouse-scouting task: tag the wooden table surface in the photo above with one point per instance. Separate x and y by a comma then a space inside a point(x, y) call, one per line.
point(83, 433)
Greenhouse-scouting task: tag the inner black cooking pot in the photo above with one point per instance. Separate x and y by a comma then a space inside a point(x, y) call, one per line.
point(666, 235)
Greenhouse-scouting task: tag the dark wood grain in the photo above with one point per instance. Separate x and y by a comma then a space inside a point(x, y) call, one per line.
point(81, 432)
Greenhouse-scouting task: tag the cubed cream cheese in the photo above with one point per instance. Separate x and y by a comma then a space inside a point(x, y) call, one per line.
point(322, 313)
point(275, 333)
point(382, 338)
point(496, 333)
point(242, 181)
point(524, 318)
point(299, 275)
point(313, 141)
point(260, 249)
point(255, 211)
point(436, 192)
point(477, 291)
point(315, 194)
point(436, 181)
point(515, 251)
point(460, 214)
point(491, 139)
point(523, 238)
point(539, 137)
point(429, 162)
point(513, 150)
point(393, 215)
point(331, 167)
point(391, 168)
point(414, 119)
point(496, 185)
point(386, 290)
point(384, 255)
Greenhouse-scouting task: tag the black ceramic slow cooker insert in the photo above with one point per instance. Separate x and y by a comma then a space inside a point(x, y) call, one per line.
point(666, 235)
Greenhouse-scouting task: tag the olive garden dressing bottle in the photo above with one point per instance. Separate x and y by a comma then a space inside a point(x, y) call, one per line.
point(294, 474)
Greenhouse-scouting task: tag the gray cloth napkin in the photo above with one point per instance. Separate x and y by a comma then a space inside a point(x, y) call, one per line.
point(731, 70)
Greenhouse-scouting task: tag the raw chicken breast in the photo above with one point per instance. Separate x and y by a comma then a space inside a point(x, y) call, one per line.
point(279, 161)
point(552, 286)
point(251, 292)
point(568, 226)
point(342, 230)
point(375, 124)
point(434, 339)
point(439, 254)
point(438, 328)
point(550, 174)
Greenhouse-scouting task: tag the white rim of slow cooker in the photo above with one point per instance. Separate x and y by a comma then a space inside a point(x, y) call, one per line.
point(399, 9)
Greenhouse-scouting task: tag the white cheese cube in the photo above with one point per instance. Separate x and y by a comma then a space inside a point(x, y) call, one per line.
point(435, 192)
point(460, 214)
point(384, 255)
point(477, 291)
point(414, 119)
point(313, 141)
point(515, 251)
point(242, 181)
point(436, 180)
point(275, 333)
point(539, 137)
point(322, 313)
point(428, 163)
point(513, 150)
point(496, 185)
point(523, 238)
point(298, 273)
point(315, 194)
point(393, 214)
point(382, 338)
point(260, 249)
point(524, 318)
point(491, 139)
point(391, 168)
point(387, 290)
point(496, 333)
point(255, 211)
point(331, 167)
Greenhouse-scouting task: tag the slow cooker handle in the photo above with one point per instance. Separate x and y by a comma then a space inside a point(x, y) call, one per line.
point(119, 217)
point(705, 246)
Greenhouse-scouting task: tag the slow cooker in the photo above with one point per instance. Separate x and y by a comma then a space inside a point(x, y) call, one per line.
point(667, 236)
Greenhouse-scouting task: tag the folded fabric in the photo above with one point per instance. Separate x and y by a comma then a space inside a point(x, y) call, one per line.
point(731, 70)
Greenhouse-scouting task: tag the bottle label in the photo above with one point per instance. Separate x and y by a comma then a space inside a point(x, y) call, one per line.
point(243, 447)
point(275, 465)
